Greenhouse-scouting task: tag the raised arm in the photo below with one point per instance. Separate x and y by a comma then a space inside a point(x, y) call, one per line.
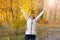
point(39, 15)
point(26, 17)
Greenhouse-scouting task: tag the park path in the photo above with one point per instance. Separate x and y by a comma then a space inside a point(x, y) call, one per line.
point(55, 35)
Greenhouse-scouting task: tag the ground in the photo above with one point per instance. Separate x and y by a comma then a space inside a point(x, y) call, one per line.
point(44, 32)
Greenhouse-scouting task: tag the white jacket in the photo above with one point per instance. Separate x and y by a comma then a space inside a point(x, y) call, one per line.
point(31, 24)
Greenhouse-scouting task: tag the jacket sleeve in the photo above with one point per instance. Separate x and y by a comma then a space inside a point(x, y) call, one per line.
point(26, 17)
point(39, 15)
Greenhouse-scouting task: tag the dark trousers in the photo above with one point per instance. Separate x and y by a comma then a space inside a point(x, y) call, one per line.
point(30, 37)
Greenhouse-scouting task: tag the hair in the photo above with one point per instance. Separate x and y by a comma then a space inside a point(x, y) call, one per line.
point(33, 16)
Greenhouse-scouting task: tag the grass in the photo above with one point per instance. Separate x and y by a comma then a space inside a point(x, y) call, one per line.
point(58, 39)
point(7, 36)
point(41, 32)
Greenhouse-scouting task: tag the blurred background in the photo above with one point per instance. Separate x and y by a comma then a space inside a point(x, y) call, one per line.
point(13, 24)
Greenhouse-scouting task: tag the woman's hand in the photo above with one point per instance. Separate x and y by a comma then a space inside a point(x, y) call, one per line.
point(44, 9)
point(20, 7)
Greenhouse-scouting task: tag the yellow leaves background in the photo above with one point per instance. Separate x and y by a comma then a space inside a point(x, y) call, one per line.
point(11, 15)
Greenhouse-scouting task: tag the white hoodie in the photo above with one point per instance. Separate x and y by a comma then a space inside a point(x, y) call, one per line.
point(31, 24)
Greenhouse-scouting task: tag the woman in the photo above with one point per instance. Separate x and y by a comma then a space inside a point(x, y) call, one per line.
point(30, 33)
